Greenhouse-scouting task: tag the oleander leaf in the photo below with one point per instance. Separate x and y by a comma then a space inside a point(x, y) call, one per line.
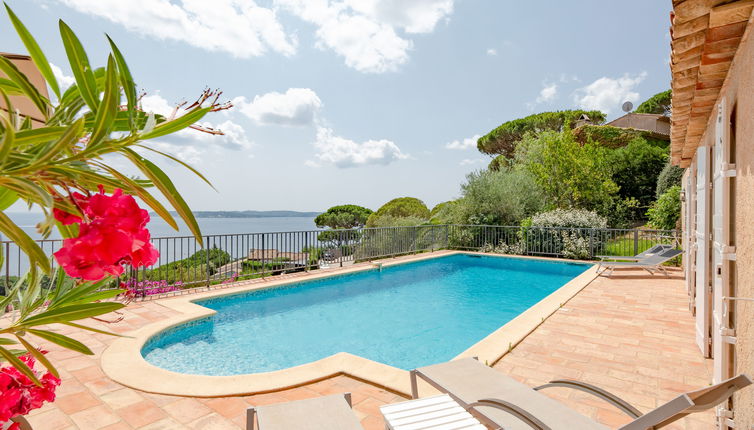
point(166, 187)
point(29, 246)
point(62, 340)
point(14, 361)
point(127, 82)
point(35, 52)
point(108, 108)
point(70, 313)
point(38, 355)
point(82, 70)
point(177, 124)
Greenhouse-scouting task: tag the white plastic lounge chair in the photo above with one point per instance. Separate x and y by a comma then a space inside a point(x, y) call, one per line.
point(503, 402)
point(656, 249)
point(651, 264)
point(436, 412)
point(319, 413)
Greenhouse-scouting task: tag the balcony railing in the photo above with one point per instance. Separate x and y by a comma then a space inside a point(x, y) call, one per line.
point(227, 258)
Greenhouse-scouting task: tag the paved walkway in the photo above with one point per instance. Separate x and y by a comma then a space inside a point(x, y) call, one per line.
point(633, 335)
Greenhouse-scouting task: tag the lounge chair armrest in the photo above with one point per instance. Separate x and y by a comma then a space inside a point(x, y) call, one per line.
point(514, 410)
point(617, 257)
point(595, 391)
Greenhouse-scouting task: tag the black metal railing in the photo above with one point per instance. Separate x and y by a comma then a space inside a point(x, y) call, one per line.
point(226, 258)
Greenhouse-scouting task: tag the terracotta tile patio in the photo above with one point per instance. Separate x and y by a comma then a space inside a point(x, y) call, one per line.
point(631, 334)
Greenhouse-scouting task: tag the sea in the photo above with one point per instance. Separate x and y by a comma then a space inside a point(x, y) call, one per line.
point(209, 226)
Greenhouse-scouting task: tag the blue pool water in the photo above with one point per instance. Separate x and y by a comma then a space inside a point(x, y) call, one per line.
point(406, 316)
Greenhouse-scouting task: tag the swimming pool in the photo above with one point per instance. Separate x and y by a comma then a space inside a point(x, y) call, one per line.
point(406, 316)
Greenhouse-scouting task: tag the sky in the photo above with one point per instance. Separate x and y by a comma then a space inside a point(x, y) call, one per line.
point(357, 101)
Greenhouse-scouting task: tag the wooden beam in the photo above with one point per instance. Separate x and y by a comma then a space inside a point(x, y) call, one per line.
point(684, 29)
point(738, 11)
point(692, 9)
point(729, 31)
point(689, 42)
point(693, 53)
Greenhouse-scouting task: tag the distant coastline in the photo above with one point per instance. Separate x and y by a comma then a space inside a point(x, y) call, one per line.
point(251, 214)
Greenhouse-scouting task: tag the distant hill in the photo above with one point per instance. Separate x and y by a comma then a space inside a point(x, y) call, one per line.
point(251, 214)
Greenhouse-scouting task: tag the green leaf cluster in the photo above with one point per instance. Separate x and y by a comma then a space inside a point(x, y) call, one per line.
point(503, 197)
point(615, 137)
point(671, 175)
point(343, 216)
point(665, 213)
point(570, 175)
point(401, 207)
point(504, 139)
point(635, 169)
point(96, 117)
point(81, 132)
point(34, 308)
point(659, 103)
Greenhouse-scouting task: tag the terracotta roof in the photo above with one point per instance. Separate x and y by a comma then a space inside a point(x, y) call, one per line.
point(705, 35)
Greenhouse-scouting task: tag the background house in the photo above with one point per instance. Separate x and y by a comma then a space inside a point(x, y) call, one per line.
point(22, 104)
point(657, 124)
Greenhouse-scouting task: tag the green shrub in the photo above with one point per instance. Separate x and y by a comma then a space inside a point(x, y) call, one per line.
point(502, 197)
point(570, 175)
point(394, 221)
point(626, 213)
point(665, 213)
point(659, 103)
point(401, 207)
point(636, 168)
point(499, 162)
point(671, 175)
point(343, 216)
point(570, 218)
point(504, 139)
point(442, 212)
point(574, 237)
point(615, 137)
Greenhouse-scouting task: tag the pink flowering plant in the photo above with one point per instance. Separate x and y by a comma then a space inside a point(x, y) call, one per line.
point(146, 288)
point(21, 394)
point(55, 157)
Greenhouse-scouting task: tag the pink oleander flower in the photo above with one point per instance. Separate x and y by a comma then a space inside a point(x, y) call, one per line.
point(19, 395)
point(112, 234)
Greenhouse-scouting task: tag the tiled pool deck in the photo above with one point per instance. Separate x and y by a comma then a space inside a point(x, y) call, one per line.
point(631, 334)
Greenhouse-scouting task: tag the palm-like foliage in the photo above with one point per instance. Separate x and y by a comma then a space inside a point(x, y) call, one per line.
point(97, 116)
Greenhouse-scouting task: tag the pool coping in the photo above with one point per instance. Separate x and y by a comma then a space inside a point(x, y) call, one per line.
point(122, 360)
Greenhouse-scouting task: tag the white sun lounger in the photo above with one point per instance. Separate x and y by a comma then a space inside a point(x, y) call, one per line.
point(656, 249)
point(651, 264)
point(506, 403)
point(319, 413)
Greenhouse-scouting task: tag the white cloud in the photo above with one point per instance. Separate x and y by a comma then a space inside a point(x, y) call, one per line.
point(343, 153)
point(364, 32)
point(238, 27)
point(64, 81)
point(548, 93)
point(606, 94)
point(467, 143)
point(414, 16)
point(470, 161)
point(491, 52)
point(155, 103)
point(295, 107)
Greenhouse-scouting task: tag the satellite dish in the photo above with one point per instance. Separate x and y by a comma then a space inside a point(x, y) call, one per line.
point(627, 106)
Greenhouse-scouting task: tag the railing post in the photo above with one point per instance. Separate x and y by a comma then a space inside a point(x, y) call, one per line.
point(206, 248)
point(591, 243)
point(636, 241)
point(264, 254)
